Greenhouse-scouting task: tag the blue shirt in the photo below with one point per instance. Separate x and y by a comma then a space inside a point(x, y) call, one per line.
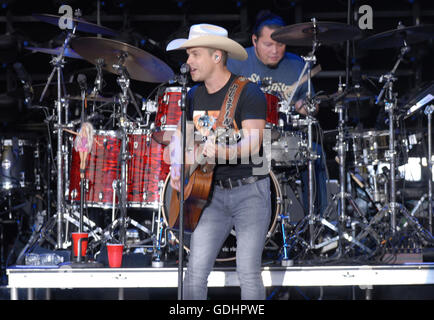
point(272, 80)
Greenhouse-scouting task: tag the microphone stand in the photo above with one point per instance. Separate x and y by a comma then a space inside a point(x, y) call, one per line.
point(183, 82)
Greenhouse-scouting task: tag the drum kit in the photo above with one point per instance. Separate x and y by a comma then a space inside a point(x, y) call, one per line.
point(125, 169)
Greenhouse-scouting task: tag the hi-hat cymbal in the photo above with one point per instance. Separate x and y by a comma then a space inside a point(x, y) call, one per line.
point(140, 64)
point(395, 38)
point(82, 25)
point(69, 53)
point(327, 33)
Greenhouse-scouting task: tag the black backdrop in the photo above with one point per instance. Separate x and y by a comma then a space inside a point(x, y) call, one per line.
point(149, 25)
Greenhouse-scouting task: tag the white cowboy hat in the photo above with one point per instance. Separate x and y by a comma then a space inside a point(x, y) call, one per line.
point(211, 36)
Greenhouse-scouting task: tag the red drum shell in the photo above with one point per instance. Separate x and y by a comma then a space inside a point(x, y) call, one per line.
point(102, 169)
point(147, 170)
point(272, 109)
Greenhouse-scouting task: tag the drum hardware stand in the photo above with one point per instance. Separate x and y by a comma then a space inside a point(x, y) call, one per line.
point(286, 261)
point(58, 64)
point(392, 207)
point(115, 185)
point(98, 80)
point(310, 108)
point(157, 262)
point(428, 111)
point(124, 83)
point(339, 202)
point(343, 196)
point(390, 103)
point(87, 224)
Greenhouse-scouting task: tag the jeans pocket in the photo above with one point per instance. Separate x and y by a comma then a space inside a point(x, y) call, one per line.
point(262, 188)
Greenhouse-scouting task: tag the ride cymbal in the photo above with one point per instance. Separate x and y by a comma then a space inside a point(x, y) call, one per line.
point(140, 65)
point(398, 37)
point(303, 34)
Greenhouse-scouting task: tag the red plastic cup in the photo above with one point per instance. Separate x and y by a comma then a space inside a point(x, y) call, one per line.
point(76, 236)
point(114, 252)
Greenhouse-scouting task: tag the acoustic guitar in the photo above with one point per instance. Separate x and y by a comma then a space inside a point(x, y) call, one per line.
point(196, 190)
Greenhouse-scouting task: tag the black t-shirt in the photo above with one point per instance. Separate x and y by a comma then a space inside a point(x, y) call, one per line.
point(251, 105)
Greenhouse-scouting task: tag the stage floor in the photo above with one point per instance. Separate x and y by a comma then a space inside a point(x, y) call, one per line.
point(365, 277)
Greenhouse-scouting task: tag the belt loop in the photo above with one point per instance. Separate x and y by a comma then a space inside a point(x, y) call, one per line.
point(230, 183)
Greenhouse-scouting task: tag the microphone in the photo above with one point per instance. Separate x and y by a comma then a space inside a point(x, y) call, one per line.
point(185, 68)
point(82, 82)
point(26, 81)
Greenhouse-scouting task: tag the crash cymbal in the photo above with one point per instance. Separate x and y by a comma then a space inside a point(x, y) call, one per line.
point(327, 33)
point(92, 97)
point(82, 25)
point(395, 38)
point(141, 65)
point(69, 53)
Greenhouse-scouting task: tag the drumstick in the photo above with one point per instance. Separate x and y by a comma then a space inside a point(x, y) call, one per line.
point(73, 132)
point(70, 131)
point(289, 89)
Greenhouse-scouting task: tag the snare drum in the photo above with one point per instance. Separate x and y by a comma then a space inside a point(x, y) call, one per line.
point(18, 158)
point(168, 113)
point(147, 170)
point(102, 171)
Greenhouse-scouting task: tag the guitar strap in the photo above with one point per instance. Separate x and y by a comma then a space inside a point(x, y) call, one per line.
point(225, 119)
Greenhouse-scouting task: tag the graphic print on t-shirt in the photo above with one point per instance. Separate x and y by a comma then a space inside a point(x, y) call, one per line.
point(198, 116)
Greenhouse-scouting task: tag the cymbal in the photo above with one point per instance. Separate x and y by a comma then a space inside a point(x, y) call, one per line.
point(327, 33)
point(51, 92)
point(82, 25)
point(69, 53)
point(345, 97)
point(92, 97)
point(395, 38)
point(141, 65)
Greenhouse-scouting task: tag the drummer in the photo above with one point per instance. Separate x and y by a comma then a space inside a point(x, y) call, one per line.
point(269, 65)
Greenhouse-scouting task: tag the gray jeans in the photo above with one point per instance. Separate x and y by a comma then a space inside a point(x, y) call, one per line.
point(248, 209)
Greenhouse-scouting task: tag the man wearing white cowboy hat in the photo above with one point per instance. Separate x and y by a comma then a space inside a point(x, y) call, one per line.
point(240, 198)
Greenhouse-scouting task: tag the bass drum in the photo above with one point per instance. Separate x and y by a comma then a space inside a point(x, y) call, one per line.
point(228, 250)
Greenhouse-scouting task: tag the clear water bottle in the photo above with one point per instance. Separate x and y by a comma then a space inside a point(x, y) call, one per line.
point(32, 259)
point(44, 259)
point(50, 259)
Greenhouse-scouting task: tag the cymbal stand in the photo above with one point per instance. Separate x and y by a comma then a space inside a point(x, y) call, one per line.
point(312, 217)
point(124, 83)
point(393, 207)
point(342, 197)
point(98, 80)
point(58, 64)
point(390, 103)
point(310, 108)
